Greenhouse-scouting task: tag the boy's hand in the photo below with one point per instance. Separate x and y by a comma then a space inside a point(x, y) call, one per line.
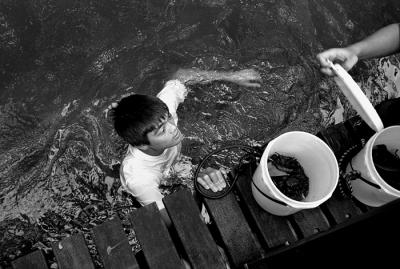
point(246, 77)
point(213, 179)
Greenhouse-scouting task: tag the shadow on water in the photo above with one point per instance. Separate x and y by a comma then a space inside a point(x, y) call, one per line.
point(64, 62)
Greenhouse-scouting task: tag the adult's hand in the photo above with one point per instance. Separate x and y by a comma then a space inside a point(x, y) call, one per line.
point(213, 179)
point(344, 56)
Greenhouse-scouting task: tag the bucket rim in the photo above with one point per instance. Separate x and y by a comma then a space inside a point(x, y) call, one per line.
point(385, 187)
point(289, 201)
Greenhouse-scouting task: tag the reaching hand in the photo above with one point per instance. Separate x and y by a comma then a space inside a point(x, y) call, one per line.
point(246, 77)
point(212, 179)
point(344, 56)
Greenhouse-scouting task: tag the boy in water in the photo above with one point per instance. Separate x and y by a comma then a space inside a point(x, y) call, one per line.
point(149, 125)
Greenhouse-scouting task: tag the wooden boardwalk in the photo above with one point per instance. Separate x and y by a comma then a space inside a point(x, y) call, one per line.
point(249, 236)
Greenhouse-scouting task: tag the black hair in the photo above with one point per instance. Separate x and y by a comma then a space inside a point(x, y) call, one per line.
point(137, 115)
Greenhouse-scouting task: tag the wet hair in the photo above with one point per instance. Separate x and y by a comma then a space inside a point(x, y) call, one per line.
point(137, 115)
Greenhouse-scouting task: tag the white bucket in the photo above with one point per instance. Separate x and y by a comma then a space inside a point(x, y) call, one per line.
point(373, 190)
point(319, 164)
point(370, 188)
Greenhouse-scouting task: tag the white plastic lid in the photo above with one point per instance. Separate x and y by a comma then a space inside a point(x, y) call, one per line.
point(357, 98)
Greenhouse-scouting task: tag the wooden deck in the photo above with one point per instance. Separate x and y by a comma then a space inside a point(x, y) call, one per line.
point(336, 232)
point(251, 237)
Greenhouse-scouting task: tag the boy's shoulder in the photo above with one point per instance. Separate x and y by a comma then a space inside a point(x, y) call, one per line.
point(139, 162)
point(136, 169)
point(131, 159)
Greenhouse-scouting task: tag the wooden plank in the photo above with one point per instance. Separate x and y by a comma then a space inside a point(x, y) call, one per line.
point(113, 246)
point(33, 260)
point(274, 230)
point(368, 240)
point(235, 232)
point(311, 221)
point(72, 253)
point(196, 239)
point(341, 209)
point(157, 245)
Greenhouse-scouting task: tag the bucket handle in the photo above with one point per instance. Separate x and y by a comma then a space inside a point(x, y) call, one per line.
point(357, 175)
point(267, 196)
point(346, 158)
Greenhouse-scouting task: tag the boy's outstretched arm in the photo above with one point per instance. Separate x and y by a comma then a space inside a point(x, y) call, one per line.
point(211, 178)
point(245, 77)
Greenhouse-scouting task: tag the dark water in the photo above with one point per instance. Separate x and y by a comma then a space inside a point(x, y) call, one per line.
point(63, 62)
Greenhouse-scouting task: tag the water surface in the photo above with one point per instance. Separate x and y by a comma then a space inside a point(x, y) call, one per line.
point(64, 62)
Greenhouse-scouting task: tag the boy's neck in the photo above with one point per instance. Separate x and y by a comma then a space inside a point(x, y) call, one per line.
point(151, 151)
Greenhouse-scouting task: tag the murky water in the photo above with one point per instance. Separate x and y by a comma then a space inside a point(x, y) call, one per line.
point(64, 62)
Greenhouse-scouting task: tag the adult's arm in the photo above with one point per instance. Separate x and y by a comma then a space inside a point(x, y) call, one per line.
point(383, 42)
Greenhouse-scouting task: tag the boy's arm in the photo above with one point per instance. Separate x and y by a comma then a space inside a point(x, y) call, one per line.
point(246, 77)
point(174, 91)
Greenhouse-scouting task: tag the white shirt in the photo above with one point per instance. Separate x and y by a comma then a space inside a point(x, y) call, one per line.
point(140, 173)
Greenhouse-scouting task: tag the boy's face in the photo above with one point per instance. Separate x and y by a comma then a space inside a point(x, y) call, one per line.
point(166, 135)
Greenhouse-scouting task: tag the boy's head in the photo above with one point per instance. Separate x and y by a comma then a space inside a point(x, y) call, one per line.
point(144, 121)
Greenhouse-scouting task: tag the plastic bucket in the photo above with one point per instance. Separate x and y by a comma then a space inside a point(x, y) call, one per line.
point(368, 187)
point(371, 189)
point(319, 164)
